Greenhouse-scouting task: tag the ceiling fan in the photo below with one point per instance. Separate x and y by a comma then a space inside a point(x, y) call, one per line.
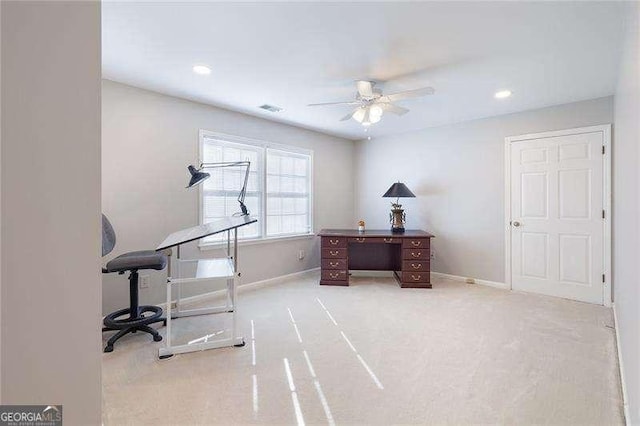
point(371, 103)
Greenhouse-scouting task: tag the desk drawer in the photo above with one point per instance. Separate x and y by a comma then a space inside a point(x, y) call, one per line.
point(334, 264)
point(416, 277)
point(379, 240)
point(334, 242)
point(334, 253)
point(415, 254)
point(415, 265)
point(415, 243)
point(334, 275)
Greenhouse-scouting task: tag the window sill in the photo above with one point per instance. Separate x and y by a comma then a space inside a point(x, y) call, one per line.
point(257, 241)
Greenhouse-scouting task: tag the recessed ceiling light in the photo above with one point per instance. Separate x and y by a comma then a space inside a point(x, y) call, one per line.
point(502, 94)
point(201, 69)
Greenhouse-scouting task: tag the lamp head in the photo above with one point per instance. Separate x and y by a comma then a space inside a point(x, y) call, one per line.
point(197, 176)
point(399, 190)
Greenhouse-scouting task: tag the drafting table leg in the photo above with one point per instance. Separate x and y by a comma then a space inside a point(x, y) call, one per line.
point(167, 338)
point(234, 291)
point(229, 281)
point(179, 275)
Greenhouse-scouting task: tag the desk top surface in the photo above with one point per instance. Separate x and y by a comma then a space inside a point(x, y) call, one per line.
point(201, 231)
point(409, 233)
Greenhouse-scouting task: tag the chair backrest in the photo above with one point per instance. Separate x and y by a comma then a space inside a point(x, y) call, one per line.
point(108, 236)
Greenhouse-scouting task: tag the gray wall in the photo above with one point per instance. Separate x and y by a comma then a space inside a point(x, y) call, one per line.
point(457, 174)
point(51, 207)
point(148, 139)
point(0, 204)
point(626, 203)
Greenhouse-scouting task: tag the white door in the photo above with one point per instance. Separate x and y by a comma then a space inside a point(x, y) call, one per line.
point(557, 208)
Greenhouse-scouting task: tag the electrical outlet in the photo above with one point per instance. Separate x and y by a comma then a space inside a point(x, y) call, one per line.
point(144, 281)
point(301, 255)
point(433, 255)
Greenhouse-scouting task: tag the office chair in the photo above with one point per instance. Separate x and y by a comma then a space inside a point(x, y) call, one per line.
point(139, 317)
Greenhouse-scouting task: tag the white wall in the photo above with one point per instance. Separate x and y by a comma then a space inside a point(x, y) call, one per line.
point(148, 139)
point(457, 174)
point(626, 211)
point(51, 207)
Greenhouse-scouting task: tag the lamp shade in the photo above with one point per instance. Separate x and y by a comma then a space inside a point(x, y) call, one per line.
point(399, 190)
point(197, 176)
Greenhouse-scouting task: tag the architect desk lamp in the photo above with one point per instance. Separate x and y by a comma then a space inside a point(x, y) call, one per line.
point(397, 216)
point(198, 176)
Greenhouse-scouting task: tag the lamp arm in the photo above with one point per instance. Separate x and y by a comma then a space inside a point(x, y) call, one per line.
point(243, 191)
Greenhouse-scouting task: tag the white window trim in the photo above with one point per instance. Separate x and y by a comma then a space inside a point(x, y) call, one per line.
point(263, 226)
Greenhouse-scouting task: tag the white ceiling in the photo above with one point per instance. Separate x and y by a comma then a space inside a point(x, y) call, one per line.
point(293, 54)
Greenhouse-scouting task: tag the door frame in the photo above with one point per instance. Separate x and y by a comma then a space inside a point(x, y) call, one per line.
point(607, 296)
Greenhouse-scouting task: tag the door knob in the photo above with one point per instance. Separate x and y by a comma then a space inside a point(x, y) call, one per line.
point(516, 223)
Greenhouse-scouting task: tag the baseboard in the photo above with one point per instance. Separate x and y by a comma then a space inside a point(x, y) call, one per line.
point(371, 274)
point(488, 283)
point(623, 383)
point(216, 294)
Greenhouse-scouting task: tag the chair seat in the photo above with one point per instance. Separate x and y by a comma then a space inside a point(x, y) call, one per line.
point(146, 259)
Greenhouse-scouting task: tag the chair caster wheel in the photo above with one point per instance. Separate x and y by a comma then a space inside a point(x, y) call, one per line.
point(157, 338)
point(108, 348)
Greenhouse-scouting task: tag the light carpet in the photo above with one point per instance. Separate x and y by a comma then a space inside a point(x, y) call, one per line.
point(373, 353)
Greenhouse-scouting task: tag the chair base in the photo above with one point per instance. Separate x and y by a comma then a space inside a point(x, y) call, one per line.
point(132, 324)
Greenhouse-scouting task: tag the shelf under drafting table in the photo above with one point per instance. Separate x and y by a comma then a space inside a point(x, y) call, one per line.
point(224, 269)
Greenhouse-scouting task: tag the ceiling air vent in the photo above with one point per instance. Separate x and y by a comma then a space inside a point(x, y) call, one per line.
point(270, 108)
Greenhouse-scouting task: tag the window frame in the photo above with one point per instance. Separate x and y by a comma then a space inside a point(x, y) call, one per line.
point(264, 145)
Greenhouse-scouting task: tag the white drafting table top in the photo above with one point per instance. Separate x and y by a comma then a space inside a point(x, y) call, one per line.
point(201, 231)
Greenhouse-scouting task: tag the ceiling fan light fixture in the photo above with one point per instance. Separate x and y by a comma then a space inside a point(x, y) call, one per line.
point(359, 114)
point(368, 115)
point(375, 112)
point(371, 104)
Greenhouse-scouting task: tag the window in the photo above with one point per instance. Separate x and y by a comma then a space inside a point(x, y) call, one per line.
point(278, 191)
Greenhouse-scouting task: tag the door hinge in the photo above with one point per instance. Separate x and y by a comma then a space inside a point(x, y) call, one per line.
point(602, 149)
point(603, 280)
point(603, 215)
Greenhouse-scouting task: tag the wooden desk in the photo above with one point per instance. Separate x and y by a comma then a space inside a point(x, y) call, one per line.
point(406, 254)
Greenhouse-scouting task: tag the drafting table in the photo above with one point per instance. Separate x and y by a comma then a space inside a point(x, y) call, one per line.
point(210, 270)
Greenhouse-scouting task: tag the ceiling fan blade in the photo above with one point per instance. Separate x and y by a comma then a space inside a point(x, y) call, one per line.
point(417, 93)
point(336, 103)
point(365, 88)
point(395, 109)
point(348, 116)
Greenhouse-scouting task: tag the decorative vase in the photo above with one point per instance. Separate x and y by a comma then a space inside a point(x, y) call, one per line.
point(397, 217)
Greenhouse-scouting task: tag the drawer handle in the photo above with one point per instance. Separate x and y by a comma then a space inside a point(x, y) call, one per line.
point(334, 276)
point(415, 278)
point(334, 253)
point(388, 240)
point(416, 265)
point(416, 255)
point(360, 240)
point(416, 243)
point(334, 242)
point(333, 265)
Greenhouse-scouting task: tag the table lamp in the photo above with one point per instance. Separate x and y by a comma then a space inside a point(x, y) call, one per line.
point(397, 217)
point(198, 176)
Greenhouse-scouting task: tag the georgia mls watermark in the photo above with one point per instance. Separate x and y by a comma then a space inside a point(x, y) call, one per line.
point(30, 415)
